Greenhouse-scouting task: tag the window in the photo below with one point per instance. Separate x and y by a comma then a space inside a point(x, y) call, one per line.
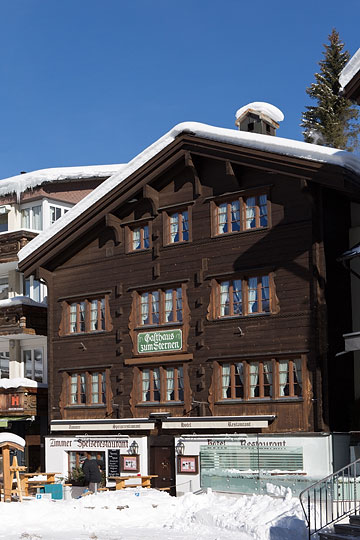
point(263, 379)
point(4, 365)
point(86, 316)
point(178, 227)
point(160, 307)
point(34, 289)
point(241, 214)
point(3, 222)
point(139, 238)
point(33, 364)
point(161, 384)
point(56, 212)
point(87, 388)
point(4, 288)
point(76, 459)
point(242, 296)
point(31, 217)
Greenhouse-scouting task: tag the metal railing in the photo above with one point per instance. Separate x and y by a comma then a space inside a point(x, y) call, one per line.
point(332, 498)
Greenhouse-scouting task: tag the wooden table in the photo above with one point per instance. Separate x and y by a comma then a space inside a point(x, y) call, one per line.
point(27, 483)
point(145, 481)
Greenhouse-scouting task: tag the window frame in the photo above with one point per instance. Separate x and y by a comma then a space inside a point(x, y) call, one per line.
point(167, 213)
point(103, 395)
point(87, 301)
point(241, 199)
point(274, 385)
point(30, 207)
point(163, 389)
point(161, 307)
point(140, 224)
point(216, 296)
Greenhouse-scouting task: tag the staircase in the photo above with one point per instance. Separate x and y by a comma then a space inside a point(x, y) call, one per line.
point(331, 500)
point(344, 531)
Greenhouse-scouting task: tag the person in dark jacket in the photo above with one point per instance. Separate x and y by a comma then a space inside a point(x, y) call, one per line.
point(92, 472)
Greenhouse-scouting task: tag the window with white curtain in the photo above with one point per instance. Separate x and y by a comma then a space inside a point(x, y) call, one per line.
point(32, 217)
point(244, 296)
point(178, 227)
point(87, 388)
point(273, 378)
point(4, 364)
point(241, 214)
point(161, 307)
point(139, 238)
point(34, 364)
point(162, 384)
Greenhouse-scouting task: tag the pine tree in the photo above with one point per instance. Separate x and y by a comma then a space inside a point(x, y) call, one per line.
point(334, 120)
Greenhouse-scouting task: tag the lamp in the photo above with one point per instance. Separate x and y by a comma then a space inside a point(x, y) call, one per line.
point(180, 448)
point(134, 448)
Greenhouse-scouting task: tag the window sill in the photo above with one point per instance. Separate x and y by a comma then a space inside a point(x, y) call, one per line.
point(259, 400)
point(246, 231)
point(82, 334)
point(84, 406)
point(160, 404)
point(174, 244)
point(159, 326)
point(136, 251)
point(237, 317)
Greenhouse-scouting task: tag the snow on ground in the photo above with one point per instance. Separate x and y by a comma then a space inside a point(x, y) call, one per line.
point(147, 514)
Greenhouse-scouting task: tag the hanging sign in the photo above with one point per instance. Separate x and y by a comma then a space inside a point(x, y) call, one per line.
point(159, 341)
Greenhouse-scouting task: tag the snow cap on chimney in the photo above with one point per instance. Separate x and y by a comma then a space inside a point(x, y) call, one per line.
point(259, 117)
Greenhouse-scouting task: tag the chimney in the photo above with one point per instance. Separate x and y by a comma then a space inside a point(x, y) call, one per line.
point(259, 117)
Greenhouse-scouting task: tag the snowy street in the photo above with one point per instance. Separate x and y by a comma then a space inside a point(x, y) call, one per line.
point(147, 514)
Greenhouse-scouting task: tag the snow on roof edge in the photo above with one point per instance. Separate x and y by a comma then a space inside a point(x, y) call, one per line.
point(350, 70)
point(21, 182)
point(257, 141)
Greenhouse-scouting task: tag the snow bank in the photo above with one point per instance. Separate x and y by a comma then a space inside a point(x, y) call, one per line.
point(257, 141)
point(149, 514)
point(20, 183)
point(266, 108)
point(350, 70)
point(10, 437)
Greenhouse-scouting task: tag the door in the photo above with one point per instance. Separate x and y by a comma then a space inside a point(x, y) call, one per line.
point(162, 463)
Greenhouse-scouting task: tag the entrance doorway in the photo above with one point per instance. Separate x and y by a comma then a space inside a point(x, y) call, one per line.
point(162, 463)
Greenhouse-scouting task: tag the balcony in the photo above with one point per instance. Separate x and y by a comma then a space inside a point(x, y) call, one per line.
point(11, 242)
point(21, 315)
point(16, 403)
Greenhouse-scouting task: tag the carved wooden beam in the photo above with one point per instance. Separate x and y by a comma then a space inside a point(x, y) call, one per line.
point(153, 196)
point(229, 171)
point(189, 164)
point(114, 223)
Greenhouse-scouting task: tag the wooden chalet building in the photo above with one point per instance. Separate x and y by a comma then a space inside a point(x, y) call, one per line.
point(30, 203)
point(196, 308)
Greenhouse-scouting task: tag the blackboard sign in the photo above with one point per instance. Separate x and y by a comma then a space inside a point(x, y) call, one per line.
point(113, 462)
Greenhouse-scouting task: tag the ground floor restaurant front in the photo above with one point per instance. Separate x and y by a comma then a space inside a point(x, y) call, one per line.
point(189, 454)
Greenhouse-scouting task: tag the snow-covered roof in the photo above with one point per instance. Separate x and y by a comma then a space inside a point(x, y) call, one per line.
point(16, 382)
point(20, 183)
point(265, 108)
point(11, 438)
point(274, 145)
point(18, 300)
point(350, 70)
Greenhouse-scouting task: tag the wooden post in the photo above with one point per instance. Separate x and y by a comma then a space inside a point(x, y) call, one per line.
point(6, 473)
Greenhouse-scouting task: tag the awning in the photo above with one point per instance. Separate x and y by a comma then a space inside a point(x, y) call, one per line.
point(5, 420)
point(218, 422)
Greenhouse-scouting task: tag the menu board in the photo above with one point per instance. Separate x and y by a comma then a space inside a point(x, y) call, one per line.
point(113, 462)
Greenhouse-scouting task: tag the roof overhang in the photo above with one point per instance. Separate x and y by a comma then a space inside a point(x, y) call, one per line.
point(125, 424)
point(276, 160)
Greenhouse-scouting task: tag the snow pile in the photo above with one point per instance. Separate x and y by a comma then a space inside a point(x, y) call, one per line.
point(265, 108)
point(16, 382)
point(148, 514)
point(257, 141)
point(11, 438)
point(350, 70)
point(20, 183)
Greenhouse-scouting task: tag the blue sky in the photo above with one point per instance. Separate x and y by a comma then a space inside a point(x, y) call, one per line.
point(88, 82)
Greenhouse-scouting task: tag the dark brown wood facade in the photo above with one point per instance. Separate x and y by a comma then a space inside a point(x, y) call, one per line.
point(292, 340)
